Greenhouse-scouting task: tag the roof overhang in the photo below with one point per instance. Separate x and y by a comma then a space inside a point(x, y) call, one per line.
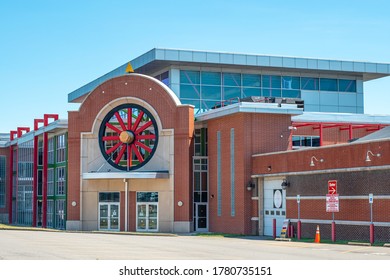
point(250, 107)
point(163, 174)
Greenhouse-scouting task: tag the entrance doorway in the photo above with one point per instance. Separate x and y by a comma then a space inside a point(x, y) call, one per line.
point(200, 216)
point(109, 216)
point(147, 216)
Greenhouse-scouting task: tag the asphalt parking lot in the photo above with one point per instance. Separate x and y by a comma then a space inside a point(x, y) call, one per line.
point(46, 245)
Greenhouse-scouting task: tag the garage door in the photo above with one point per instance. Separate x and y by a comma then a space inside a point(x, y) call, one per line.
point(274, 205)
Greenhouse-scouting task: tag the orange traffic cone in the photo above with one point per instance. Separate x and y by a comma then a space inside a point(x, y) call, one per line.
point(317, 238)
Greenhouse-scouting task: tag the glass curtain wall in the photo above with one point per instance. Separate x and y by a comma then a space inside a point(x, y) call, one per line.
point(207, 90)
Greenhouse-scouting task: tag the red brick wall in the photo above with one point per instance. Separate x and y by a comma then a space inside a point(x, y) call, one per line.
point(172, 117)
point(5, 152)
point(254, 133)
point(331, 136)
point(341, 156)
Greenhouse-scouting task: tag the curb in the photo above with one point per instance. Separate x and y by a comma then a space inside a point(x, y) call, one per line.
point(359, 243)
point(283, 239)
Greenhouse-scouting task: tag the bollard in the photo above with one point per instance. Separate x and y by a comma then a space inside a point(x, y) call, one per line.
point(372, 239)
point(333, 232)
point(299, 230)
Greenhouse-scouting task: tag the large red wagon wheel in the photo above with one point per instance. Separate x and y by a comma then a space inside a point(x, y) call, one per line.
point(128, 137)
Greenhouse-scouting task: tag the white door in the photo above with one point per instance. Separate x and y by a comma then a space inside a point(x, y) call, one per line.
point(147, 216)
point(274, 206)
point(109, 216)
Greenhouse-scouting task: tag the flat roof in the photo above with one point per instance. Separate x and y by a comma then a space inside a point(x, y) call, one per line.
point(249, 107)
point(160, 58)
point(316, 117)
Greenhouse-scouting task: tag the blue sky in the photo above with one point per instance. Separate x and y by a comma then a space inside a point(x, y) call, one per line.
point(49, 48)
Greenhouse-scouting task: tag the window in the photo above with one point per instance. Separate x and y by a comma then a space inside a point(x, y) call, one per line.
point(190, 77)
point(50, 181)
point(347, 85)
point(163, 77)
point(50, 151)
point(109, 197)
point(60, 214)
point(61, 147)
point(309, 83)
point(40, 152)
point(39, 183)
point(49, 213)
point(328, 84)
point(147, 196)
point(2, 181)
point(305, 141)
point(200, 179)
point(61, 181)
point(250, 80)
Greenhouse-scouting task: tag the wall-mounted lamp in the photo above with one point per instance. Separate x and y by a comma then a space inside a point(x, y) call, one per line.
point(250, 186)
point(269, 167)
point(368, 159)
point(285, 184)
point(313, 158)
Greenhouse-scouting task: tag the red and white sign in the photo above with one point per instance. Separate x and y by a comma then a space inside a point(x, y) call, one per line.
point(332, 187)
point(332, 203)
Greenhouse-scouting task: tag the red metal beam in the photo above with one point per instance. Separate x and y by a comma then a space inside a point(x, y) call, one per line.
point(37, 122)
point(21, 129)
point(46, 118)
point(44, 179)
point(12, 134)
point(35, 179)
point(10, 189)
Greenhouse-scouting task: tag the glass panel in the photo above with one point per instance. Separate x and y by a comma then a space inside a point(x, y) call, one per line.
point(165, 78)
point(104, 210)
point(197, 181)
point(141, 210)
point(141, 223)
point(328, 84)
point(231, 92)
point(271, 81)
point(206, 105)
point(189, 77)
point(189, 91)
point(152, 224)
point(211, 92)
point(152, 211)
point(196, 196)
point(202, 210)
point(296, 141)
point(232, 79)
point(147, 196)
point(251, 92)
point(289, 82)
point(250, 80)
point(103, 223)
point(114, 211)
point(202, 223)
point(275, 92)
point(109, 197)
point(309, 83)
point(204, 196)
point(211, 78)
point(204, 181)
point(347, 85)
point(291, 93)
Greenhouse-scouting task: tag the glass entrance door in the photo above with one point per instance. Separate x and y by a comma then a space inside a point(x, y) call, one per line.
point(200, 214)
point(109, 216)
point(147, 216)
